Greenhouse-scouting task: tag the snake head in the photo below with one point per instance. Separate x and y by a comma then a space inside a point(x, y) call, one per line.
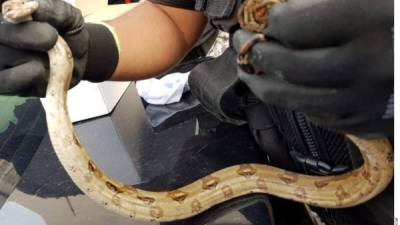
point(18, 11)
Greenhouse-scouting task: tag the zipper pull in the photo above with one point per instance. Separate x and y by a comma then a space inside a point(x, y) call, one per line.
point(312, 165)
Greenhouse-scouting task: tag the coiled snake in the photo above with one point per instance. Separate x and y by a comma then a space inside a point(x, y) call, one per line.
point(339, 191)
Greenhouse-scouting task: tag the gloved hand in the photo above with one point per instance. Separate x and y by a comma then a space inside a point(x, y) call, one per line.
point(24, 46)
point(332, 60)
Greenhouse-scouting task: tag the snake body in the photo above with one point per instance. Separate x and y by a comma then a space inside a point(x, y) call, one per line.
point(340, 191)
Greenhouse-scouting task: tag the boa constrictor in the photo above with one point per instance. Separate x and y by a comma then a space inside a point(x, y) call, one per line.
point(339, 191)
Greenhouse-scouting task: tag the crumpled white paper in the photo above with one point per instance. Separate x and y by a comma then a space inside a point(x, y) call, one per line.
point(167, 90)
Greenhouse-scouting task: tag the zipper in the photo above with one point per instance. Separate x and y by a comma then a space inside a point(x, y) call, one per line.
point(308, 136)
point(306, 147)
point(313, 163)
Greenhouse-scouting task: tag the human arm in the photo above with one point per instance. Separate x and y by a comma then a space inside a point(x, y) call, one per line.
point(153, 36)
point(160, 37)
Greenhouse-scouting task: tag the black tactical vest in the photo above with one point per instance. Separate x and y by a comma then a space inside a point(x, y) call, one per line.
point(312, 149)
point(222, 13)
point(289, 138)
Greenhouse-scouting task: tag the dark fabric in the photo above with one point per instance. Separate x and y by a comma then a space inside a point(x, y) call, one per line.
point(222, 13)
point(268, 137)
point(103, 54)
point(184, 4)
point(217, 9)
point(217, 87)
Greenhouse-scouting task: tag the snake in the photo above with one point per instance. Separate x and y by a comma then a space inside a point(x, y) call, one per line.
point(337, 191)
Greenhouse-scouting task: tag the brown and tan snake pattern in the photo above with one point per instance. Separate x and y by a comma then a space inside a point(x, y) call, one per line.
point(344, 190)
point(253, 14)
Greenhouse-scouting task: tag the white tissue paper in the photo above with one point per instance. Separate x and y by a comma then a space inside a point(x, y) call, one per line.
point(72, 2)
point(167, 90)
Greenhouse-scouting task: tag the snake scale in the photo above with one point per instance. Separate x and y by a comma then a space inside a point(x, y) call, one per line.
point(339, 191)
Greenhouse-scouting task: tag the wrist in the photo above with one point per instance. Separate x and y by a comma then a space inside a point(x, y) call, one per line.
point(103, 52)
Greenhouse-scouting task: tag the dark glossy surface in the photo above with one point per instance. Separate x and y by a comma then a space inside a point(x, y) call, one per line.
point(22, 128)
point(126, 146)
point(190, 145)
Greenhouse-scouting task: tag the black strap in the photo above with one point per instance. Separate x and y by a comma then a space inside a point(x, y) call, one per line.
point(183, 4)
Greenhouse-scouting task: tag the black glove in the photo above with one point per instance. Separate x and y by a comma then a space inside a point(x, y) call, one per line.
point(332, 60)
point(93, 48)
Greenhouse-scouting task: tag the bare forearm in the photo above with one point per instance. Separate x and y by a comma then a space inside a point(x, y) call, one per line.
point(154, 38)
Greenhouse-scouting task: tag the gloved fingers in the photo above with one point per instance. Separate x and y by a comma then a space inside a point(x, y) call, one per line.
point(34, 36)
point(321, 101)
point(28, 79)
point(314, 67)
point(315, 23)
point(294, 24)
point(61, 15)
point(78, 43)
point(354, 124)
point(10, 57)
point(78, 69)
